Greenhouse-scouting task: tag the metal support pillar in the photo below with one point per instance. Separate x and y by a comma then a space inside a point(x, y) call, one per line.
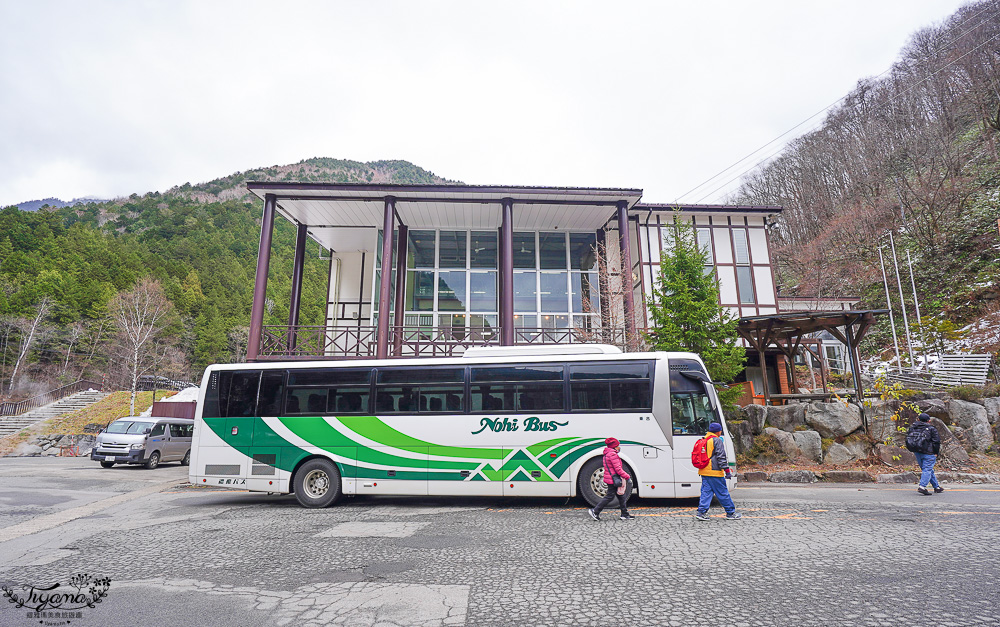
point(385, 286)
point(400, 309)
point(852, 352)
point(298, 262)
point(626, 277)
point(507, 272)
point(260, 283)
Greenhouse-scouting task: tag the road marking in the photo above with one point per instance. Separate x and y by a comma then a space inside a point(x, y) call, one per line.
point(55, 519)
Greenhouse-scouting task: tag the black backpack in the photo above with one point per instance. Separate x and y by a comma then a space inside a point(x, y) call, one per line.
point(919, 440)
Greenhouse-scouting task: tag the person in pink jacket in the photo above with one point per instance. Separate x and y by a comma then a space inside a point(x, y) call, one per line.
point(613, 467)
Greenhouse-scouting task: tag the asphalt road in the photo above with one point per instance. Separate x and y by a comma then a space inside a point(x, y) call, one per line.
point(802, 555)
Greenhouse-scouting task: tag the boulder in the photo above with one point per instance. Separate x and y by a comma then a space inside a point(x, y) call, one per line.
point(785, 440)
point(951, 448)
point(809, 444)
point(754, 476)
point(904, 477)
point(895, 455)
point(28, 450)
point(992, 406)
point(880, 422)
point(837, 455)
point(847, 476)
point(833, 420)
point(973, 418)
point(756, 416)
point(93, 428)
point(859, 447)
point(85, 444)
point(793, 476)
point(786, 417)
point(51, 452)
point(933, 407)
point(742, 434)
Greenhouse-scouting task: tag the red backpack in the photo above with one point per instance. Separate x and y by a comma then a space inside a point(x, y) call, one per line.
point(699, 455)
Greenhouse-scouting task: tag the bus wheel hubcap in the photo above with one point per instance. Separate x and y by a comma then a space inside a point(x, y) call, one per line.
point(597, 483)
point(317, 483)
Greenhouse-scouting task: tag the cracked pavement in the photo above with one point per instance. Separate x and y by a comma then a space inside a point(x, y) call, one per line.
point(802, 555)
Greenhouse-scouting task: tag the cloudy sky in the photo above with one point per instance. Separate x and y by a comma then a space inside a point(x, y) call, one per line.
point(109, 98)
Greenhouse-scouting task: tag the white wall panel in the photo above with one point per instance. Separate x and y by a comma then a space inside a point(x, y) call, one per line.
point(765, 285)
point(727, 284)
point(758, 246)
point(723, 247)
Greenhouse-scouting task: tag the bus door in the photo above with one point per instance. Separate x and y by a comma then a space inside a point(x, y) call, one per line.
point(692, 409)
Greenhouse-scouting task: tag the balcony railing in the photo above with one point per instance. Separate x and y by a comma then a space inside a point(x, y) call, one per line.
point(354, 342)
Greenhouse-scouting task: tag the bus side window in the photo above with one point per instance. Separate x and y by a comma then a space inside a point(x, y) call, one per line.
point(419, 390)
point(243, 394)
point(610, 386)
point(517, 388)
point(216, 396)
point(272, 387)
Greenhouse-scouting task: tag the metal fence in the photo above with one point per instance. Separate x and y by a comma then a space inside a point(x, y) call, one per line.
point(320, 342)
point(20, 407)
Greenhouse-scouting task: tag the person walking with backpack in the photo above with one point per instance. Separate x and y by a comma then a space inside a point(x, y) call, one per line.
point(709, 457)
point(616, 480)
point(923, 441)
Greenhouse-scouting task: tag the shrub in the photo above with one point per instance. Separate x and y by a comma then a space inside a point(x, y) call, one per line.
point(966, 392)
point(765, 449)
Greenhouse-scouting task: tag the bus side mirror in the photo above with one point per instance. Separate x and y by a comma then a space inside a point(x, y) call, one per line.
point(147, 431)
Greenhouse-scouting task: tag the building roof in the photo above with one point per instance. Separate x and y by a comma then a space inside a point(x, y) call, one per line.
point(758, 209)
point(344, 216)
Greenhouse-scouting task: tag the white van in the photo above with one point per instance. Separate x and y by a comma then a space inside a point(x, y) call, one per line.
point(144, 440)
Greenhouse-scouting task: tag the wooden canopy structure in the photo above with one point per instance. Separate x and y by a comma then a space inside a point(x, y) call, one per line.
point(785, 332)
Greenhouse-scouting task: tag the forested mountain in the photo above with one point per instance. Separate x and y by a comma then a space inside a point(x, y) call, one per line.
point(199, 241)
point(913, 152)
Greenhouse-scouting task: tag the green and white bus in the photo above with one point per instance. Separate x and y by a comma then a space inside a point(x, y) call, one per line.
point(505, 421)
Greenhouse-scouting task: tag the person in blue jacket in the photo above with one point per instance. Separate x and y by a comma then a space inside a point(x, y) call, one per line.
point(714, 476)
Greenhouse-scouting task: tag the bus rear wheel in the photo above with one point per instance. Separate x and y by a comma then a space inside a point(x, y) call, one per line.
point(317, 483)
point(590, 482)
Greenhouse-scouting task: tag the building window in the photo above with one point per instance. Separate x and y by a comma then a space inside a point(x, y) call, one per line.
point(744, 274)
point(454, 274)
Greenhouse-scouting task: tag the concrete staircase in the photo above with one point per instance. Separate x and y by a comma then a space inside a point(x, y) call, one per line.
point(73, 402)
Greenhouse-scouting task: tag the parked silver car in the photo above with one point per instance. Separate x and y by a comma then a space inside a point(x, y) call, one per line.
point(144, 440)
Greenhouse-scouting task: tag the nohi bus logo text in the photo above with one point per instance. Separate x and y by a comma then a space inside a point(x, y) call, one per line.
point(530, 424)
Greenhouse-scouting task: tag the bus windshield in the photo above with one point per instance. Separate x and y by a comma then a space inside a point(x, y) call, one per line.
point(691, 408)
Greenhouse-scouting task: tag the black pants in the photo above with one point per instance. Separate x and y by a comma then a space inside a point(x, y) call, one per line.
point(611, 495)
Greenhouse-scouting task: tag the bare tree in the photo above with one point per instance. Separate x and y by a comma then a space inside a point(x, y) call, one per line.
point(72, 334)
point(609, 301)
point(29, 328)
point(238, 337)
point(139, 315)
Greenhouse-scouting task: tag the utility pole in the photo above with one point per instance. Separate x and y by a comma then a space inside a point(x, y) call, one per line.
point(888, 302)
point(902, 303)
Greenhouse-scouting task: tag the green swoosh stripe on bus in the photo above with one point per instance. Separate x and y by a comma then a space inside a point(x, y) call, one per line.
point(374, 429)
point(319, 433)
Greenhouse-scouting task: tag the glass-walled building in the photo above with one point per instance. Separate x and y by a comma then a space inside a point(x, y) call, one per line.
point(452, 281)
point(433, 269)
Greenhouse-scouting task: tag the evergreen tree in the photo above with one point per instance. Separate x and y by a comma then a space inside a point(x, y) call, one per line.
point(685, 309)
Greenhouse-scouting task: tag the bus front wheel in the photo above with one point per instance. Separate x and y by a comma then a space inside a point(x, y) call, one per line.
point(590, 482)
point(317, 483)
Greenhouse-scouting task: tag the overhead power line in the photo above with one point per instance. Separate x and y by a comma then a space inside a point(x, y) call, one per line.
point(840, 100)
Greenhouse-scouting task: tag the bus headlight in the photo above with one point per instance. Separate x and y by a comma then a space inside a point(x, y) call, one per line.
point(136, 447)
